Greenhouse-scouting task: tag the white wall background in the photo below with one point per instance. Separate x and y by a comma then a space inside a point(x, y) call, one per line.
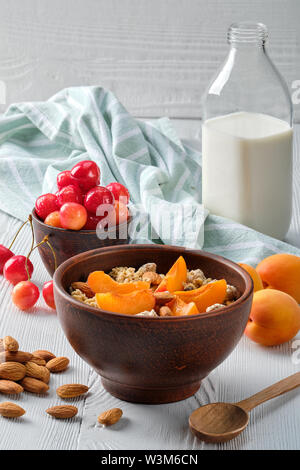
point(156, 55)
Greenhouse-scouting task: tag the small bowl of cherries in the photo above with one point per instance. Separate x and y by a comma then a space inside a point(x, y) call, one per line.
point(82, 215)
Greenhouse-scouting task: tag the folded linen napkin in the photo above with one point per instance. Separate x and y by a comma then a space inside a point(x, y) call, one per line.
point(38, 140)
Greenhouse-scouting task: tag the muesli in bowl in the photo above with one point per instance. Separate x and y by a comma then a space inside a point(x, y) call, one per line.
point(146, 293)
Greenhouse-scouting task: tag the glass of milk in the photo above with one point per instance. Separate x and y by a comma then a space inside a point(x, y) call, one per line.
point(247, 137)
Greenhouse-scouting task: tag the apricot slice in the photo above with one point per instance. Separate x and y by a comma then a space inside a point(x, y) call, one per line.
point(175, 277)
point(204, 296)
point(100, 282)
point(129, 304)
point(257, 282)
point(178, 307)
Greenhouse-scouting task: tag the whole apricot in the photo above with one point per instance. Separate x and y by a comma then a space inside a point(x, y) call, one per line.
point(274, 318)
point(257, 282)
point(282, 272)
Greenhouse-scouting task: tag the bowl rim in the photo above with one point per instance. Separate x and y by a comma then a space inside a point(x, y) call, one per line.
point(86, 232)
point(106, 313)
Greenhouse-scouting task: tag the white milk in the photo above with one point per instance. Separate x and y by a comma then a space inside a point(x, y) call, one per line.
point(247, 170)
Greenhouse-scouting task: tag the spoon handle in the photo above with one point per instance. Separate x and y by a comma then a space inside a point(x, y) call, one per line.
point(285, 385)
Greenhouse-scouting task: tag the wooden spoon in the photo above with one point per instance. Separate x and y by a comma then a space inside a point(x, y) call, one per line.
point(221, 422)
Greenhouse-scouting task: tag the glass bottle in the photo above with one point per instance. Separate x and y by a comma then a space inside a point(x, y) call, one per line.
point(247, 137)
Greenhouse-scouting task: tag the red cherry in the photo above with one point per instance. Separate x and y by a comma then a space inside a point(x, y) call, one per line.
point(65, 179)
point(92, 222)
point(87, 175)
point(48, 294)
point(46, 204)
point(97, 197)
point(25, 295)
point(14, 269)
point(119, 191)
point(5, 254)
point(69, 193)
point(73, 216)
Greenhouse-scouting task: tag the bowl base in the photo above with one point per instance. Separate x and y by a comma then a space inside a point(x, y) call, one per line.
point(149, 396)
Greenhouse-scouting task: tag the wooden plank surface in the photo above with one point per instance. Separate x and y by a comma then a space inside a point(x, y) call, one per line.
point(274, 425)
point(157, 56)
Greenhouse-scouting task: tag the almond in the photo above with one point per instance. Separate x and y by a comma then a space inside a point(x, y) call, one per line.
point(15, 356)
point(10, 344)
point(11, 410)
point(162, 298)
point(58, 364)
point(34, 385)
point(63, 411)
point(37, 372)
point(38, 360)
point(165, 312)
point(152, 277)
point(10, 388)
point(110, 417)
point(84, 287)
point(12, 371)
point(44, 354)
point(71, 390)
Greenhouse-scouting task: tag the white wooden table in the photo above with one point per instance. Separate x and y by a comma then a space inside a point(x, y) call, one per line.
point(274, 425)
point(157, 57)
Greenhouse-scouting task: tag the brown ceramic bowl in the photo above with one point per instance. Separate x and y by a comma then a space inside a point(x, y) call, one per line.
point(68, 243)
point(151, 360)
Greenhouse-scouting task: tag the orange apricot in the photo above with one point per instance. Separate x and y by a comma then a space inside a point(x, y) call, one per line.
point(257, 282)
point(281, 272)
point(128, 304)
point(100, 282)
point(175, 277)
point(274, 318)
point(179, 308)
point(204, 296)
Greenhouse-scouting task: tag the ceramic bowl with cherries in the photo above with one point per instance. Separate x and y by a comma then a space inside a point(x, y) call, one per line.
point(81, 203)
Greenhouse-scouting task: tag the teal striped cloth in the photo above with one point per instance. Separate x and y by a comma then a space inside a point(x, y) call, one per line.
point(40, 139)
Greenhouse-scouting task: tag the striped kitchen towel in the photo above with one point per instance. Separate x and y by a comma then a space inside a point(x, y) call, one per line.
point(38, 140)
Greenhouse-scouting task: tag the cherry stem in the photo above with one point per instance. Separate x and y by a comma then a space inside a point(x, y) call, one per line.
point(45, 240)
point(19, 230)
point(32, 232)
point(53, 253)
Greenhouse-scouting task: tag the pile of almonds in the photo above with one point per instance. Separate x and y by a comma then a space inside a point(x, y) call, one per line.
point(21, 371)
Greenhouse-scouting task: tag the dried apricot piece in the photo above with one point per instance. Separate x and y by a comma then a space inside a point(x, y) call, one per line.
point(178, 307)
point(129, 304)
point(100, 282)
point(210, 294)
point(175, 277)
